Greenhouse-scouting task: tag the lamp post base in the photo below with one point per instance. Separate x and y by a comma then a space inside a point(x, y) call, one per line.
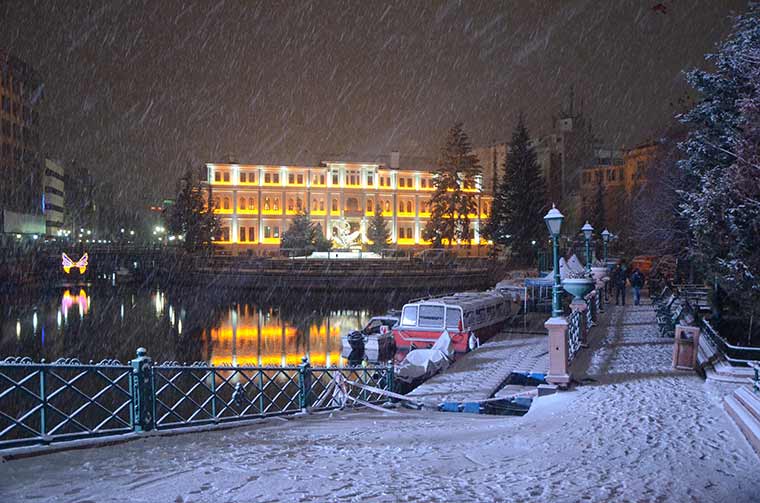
point(558, 367)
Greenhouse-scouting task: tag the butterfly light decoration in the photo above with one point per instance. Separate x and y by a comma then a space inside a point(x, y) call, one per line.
point(81, 264)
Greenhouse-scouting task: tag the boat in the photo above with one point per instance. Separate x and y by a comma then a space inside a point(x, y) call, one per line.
point(374, 338)
point(480, 314)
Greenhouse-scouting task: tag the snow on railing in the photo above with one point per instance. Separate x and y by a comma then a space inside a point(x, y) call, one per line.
point(66, 400)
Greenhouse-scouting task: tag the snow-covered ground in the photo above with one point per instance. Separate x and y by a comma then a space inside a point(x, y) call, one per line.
point(638, 432)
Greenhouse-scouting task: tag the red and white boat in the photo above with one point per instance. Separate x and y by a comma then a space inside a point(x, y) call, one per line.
point(423, 321)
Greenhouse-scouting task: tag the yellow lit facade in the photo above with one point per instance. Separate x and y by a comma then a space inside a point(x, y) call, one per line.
point(256, 203)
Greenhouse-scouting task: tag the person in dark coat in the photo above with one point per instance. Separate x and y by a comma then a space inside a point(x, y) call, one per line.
point(637, 283)
point(619, 278)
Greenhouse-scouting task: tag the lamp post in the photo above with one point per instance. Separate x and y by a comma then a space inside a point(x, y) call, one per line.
point(587, 232)
point(553, 221)
point(606, 238)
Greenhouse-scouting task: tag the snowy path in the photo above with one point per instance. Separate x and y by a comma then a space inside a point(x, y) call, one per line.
point(478, 374)
point(640, 432)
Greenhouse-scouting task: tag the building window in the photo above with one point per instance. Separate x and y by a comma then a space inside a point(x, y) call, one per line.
point(267, 178)
point(335, 178)
point(251, 233)
point(334, 205)
point(251, 203)
point(226, 203)
point(267, 204)
point(275, 178)
point(369, 205)
point(276, 204)
point(218, 176)
point(401, 182)
point(299, 179)
point(409, 207)
point(409, 183)
point(226, 176)
point(267, 232)
point(401, 206)
point(225, 233)
point(290, 204)
point(321, 205)
point(242, 203)
point(242, 177)
point(387, 206)
point(291, 178)
point(242, 234)
point(299, 204)
point(423, 183)
point(370, 180)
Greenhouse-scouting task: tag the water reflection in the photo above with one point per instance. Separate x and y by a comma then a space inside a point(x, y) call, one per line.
point(97, 321)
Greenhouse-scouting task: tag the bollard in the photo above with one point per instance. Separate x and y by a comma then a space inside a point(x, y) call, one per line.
point(304, 384)
point(143, 392)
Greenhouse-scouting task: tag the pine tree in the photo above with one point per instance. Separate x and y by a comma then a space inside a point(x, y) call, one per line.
point(721, 199)
point(190, 216)
point(304, 235)
point(451, 204)
point(299, 235)
point(378, 232)
point(520, 199)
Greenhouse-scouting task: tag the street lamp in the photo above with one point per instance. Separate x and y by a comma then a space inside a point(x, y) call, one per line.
point(553, 221)
point(588, 231)
point(606, 238)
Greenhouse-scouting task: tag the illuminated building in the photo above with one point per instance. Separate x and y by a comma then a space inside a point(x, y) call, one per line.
point(620, 180)
point(21, 166)
point(256, 203)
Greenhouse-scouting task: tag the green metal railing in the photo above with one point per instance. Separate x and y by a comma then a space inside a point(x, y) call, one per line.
point(65, 400)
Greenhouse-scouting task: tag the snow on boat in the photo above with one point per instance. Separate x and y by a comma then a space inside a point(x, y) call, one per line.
point(423, 321)
point(375, 337)
point(422, 364)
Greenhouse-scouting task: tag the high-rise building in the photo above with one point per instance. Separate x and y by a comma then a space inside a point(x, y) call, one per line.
point(21, 163)
point(53, 197)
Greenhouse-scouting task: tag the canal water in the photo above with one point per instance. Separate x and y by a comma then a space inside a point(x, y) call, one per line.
point(101, 320)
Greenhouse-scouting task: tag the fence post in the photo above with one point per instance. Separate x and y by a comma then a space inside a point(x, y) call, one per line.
point(213, 393)
point(304, 383)
point(390, 383)
point(143, 392)
point(43, 403)
point(261, 392)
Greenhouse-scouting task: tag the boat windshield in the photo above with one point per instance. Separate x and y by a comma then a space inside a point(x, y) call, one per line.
point(431, 316)
point(453, 318)
point(410, 315)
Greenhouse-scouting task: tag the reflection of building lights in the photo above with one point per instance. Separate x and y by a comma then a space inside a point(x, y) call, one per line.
point(121, 312)
point(58, 319)
point(18, 329)
point(179, 326)
point(34, 322)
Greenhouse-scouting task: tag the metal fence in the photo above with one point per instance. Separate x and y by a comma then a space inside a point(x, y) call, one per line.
point(66, 400)
point(735, 355)
point(573, 334)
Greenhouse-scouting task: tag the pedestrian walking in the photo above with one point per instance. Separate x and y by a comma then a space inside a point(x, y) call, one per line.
point(619, 278)
point(637, 282)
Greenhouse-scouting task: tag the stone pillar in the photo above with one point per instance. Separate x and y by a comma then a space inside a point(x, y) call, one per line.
point(581, 306)
point(558, 367)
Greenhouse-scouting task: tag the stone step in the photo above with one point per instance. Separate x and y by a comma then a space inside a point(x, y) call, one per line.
point(746, 422)
point(750, 400)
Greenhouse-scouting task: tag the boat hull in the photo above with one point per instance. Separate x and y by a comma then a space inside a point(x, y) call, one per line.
point(424, 339)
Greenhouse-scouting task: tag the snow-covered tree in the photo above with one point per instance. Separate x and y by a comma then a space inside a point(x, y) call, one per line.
point(451, 204)
point(520, 199)
point(721, 199)
point(378, 231)
point(305, 235)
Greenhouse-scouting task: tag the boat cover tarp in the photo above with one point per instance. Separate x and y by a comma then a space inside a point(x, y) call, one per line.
point(575, 265)
point(548, 280)
point(425, 363)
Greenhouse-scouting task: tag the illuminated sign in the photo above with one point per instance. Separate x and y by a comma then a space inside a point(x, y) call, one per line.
point(81, 264)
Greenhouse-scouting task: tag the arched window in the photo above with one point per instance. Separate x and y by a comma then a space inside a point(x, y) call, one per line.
point(276, 204)
point(217, 203)
point(290, 202)
point(352, 204)
point(299, 204)
point(387, 206)
point(314, 204)
point(226, 203)
point(401, 206)
point(251, 203)
point(242, 203)
point(267, 204)
point(369, 205)
point(408, 206)
point(334, 205)
point(321, 205)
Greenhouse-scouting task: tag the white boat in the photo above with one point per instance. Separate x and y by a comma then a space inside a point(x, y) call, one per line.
point(375, 337)
point(422, 364)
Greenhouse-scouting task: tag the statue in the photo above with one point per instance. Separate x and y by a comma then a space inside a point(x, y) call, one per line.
point(344, 238)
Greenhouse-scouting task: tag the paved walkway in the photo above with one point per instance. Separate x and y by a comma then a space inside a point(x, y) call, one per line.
point(635, 431)
point(478, 374)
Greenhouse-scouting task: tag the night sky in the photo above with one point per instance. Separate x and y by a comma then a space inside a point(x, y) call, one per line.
point(136, 90)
